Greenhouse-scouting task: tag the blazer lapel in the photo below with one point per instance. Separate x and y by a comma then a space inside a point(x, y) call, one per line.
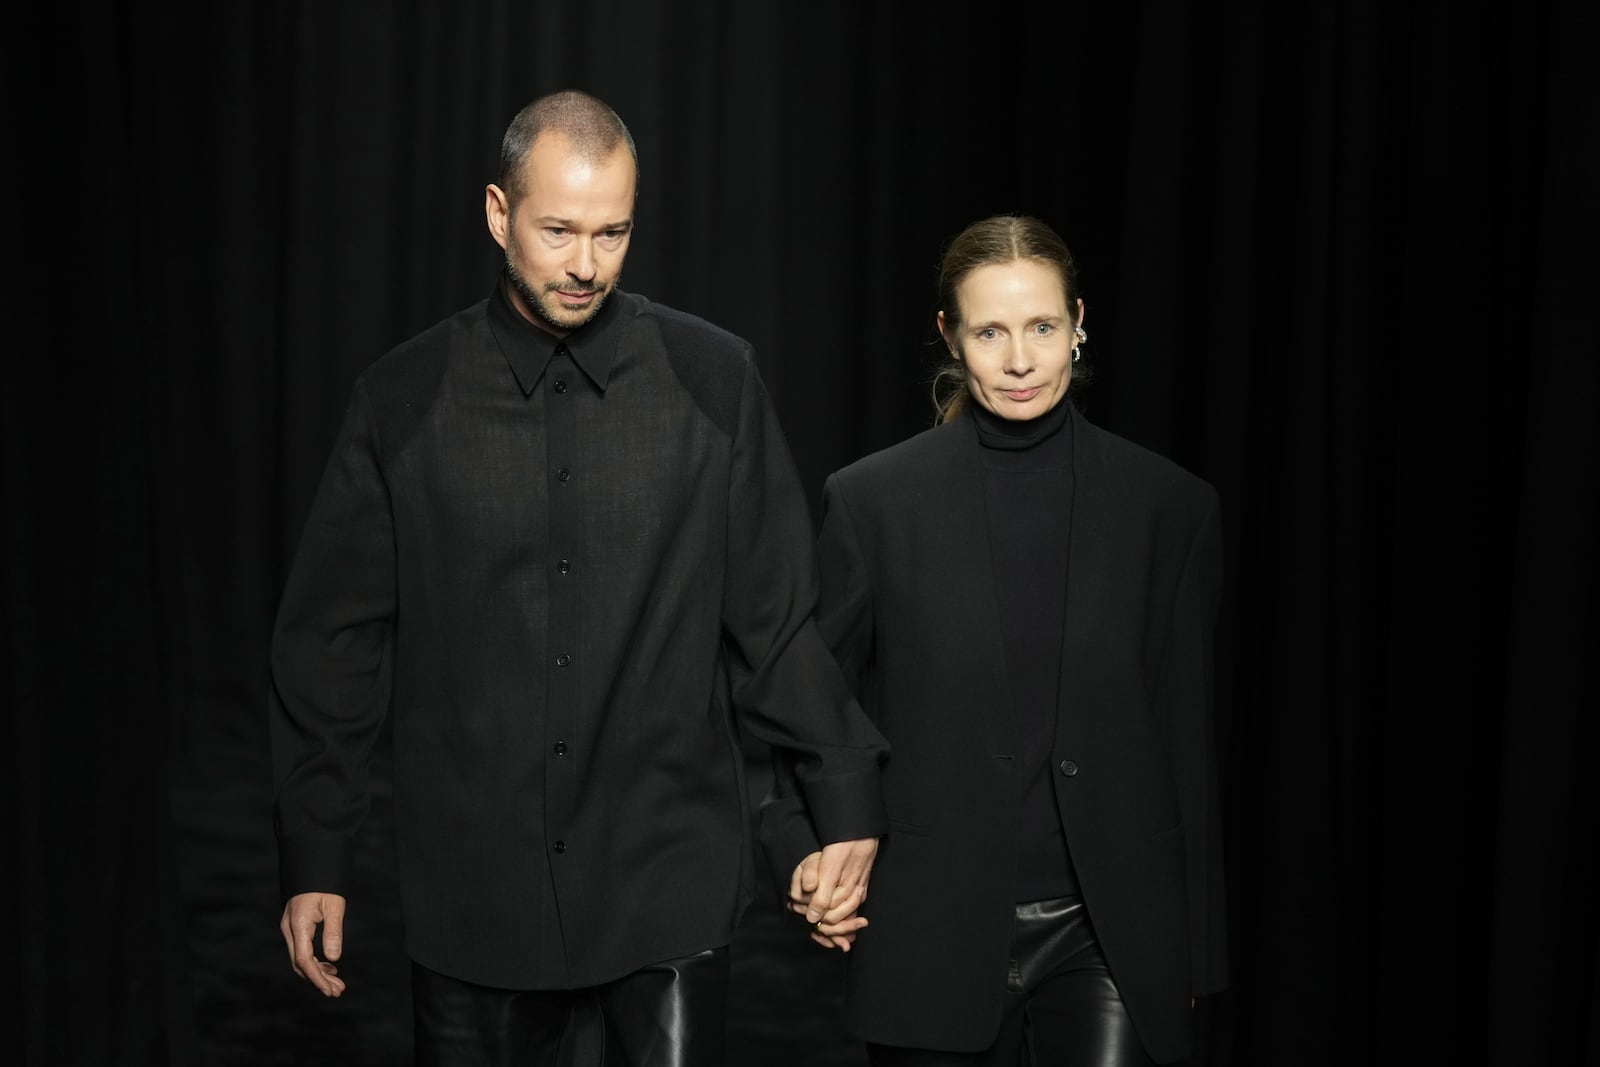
point(1091, 550)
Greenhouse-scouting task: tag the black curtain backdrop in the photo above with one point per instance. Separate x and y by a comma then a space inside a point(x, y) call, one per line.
point(1338, 259)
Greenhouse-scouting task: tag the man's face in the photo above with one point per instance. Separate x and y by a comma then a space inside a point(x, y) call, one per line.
point(566, 238)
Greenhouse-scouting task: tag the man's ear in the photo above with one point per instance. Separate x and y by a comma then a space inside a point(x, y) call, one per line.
point(497, 213)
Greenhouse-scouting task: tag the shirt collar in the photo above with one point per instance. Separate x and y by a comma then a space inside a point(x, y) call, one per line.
point(592, 346)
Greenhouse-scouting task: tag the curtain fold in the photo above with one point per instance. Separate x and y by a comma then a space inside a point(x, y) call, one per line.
point(1339, 260)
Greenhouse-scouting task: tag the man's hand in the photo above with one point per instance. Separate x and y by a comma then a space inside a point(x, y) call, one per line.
point(299, 925)
point(829, 887)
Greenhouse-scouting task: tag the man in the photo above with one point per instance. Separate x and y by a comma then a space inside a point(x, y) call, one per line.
point(561, 535)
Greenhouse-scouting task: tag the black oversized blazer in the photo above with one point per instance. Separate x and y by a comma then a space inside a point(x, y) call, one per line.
point(908, 605)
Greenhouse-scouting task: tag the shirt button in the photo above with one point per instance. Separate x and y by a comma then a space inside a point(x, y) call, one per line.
point(563, 659)
point(561, 385)
point(563, 474)
point(1068, 768)
point(564, 566)
point(560, 846)
point(561, 748)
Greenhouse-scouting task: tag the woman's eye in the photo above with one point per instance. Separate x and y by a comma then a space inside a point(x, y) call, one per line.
point(987, 334)
point(1044, 329)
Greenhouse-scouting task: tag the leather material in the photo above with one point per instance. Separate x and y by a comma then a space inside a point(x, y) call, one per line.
point(1061, 1004)
point(668, 1014)
point(459, 1023)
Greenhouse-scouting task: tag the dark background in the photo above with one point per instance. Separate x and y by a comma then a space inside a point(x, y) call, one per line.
point(1338, 259)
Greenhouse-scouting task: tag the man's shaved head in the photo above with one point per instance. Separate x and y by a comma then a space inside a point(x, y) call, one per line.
point(592, 129)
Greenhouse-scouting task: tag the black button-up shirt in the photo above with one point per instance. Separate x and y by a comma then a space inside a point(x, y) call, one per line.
point(574, 569)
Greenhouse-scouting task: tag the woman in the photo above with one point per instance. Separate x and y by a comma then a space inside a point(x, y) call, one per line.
point(1025, 604)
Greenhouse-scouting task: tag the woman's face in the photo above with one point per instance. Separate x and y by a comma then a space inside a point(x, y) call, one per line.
point(1015, 337)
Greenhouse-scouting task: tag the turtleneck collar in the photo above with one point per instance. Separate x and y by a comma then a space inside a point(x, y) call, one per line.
point(1016, 435)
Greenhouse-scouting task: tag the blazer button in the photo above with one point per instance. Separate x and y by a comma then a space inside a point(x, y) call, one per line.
point(561, 748)
point(560, 846)
point(1068, 768)
point(563, 659)
point(561, 385)
point(563, 474)
point(564, 566)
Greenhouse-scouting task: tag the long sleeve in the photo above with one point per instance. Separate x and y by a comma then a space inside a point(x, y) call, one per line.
point(844, 623)
point(786, 684)
point(331, 663)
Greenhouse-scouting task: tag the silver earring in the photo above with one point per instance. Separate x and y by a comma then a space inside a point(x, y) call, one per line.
point(1077, 331)
point(1076, 354)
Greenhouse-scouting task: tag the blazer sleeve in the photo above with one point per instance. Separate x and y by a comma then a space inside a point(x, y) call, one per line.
point(787, 689)
point(844, 623)
point(1188, 682)
point(331, 663)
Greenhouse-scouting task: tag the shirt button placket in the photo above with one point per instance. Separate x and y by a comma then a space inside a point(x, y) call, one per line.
point(564, 713)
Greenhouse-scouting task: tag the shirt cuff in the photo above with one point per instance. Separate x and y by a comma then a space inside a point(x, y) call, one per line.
point(847, 807)
point(313, 863)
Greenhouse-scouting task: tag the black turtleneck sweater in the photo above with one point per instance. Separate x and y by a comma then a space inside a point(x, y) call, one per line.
point(1027, 481)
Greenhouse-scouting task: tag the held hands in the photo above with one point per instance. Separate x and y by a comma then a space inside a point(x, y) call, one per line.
point(828, 888)
point(301, 917)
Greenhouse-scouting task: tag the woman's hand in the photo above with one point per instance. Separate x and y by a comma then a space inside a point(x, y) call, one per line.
point(835, 925)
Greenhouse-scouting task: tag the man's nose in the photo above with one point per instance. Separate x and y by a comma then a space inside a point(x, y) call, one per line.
point(582, 265)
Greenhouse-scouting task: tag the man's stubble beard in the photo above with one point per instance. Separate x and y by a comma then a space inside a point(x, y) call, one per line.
point(536, 300)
